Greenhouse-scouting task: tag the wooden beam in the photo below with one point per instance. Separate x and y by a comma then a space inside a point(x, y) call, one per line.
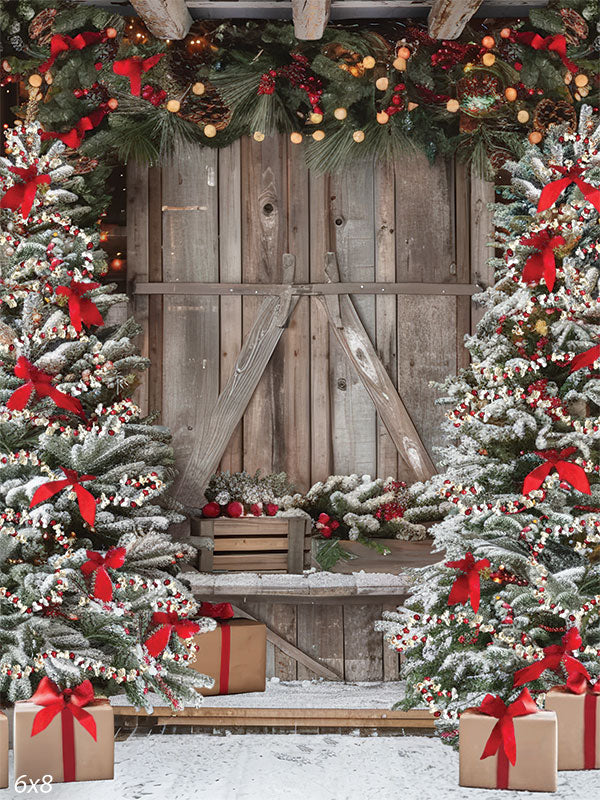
point(447, 18)
point(166, 19)
point(310, 18)
point(305, 289)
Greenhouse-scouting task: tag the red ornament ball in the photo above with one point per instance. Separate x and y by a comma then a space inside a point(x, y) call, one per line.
point(271, 509)
point(211, 510)
point(235, 509)
point(118, 265)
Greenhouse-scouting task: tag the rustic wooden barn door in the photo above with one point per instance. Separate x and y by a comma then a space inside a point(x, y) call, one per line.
point(227, 219)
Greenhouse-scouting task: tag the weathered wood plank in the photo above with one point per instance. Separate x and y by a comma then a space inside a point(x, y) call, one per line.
point(363, 645)
point(448, 18)
point(321, 636)
point(155, 305)
point(296, 537)
point(391, 662)
point(310, 18)
point(482, 193)
point(280, 619)
point(462, 200)
point(166, 19)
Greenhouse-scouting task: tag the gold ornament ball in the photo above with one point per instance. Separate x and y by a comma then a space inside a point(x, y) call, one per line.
point(173, 106)
point(35, 81)
point(112, 103)
point(382, 84)
point(358, 136)
point(368, 62)
point(404, 52)
point(505, 33)
point(210, 131)
point(382, 117)
point(198, 88)
point(296, 137)
point(488, 59)
point(399, 64)
point(452, 105)
point(535, 137)
point(111, 33)
point(258, 136)
point(340, 113)
point(581, 80)
point(318, 136)
point(523, 116)
point(316, 118)
point(510, 93)
point(488, 41)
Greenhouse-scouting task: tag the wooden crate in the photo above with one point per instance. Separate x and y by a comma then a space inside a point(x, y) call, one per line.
point(402, 556)
point(255, 544)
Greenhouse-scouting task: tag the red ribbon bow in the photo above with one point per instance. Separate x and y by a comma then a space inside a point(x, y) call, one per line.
point(586, 359)
point(41, 383)
point(81, 309)
point(62, 44)
point(554, 656)
point(216, 610)
point(580, 683)
point(69, 703)
point(168, 621)
point(541, 264)
point(556, 44)
point(567, 471)
point(133, 68)
point(552, 191)
point(467, 585)
point(22, 195)
point(85, 499)
point(97, 563)
point(74, 137)
point(502, 738)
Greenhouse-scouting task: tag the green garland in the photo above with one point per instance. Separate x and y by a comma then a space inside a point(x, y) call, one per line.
point(378, 89)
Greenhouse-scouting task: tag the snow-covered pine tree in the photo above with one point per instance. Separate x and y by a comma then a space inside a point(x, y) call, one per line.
point(522, 470)
point(88, 585)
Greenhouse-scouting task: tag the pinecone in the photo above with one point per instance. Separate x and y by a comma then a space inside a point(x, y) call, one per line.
point(576, 28)
point(206, 109)
point(83, 165)
point(184, 62)
point(41, 26)
point(548, 112)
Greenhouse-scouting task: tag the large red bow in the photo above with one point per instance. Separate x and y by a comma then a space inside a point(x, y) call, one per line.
point(467, 585)
point(61, 44)
point(554, 656)
point(74, 137)
point(97, 563)
point(168, 621)
point(541, 264)
point(22, 195)
point(81, 309)
point(216, 610)
point(552, 191)
point(133, 68)
point(567, 471)
point(503, 732)
point(41, 383)
point(85, 499)
point(579, 683)
point(556, 44)
point(586, 359)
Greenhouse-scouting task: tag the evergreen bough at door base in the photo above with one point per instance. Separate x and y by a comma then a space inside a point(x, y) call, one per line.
point(85, 560)
point(533, 388)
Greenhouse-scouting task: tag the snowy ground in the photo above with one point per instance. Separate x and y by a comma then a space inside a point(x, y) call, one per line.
point(293, 767)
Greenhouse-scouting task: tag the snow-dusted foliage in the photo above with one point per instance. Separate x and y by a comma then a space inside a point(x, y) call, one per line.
point(533, 386)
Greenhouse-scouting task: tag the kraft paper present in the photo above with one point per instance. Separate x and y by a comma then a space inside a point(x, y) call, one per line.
point(536, 739)
point(578, 728)
point(235, 655)
point(42, 754)
point(3, 751)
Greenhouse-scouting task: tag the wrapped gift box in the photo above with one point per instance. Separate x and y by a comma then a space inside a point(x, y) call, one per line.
point(536, 764)
point(3, 751)
point(235, 655)
point(578, 728)
point(42, 754)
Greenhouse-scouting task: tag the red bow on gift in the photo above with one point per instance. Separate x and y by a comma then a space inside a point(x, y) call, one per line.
point(97, 563)
point(69, 703)
point(168, 621)
point(74, 137)
point(216, 610)
point(133, 68)
point(467, 585)
point(567, 471)
point(552, 191)
point(556, 44)
point(22, 195)
point(81, 309)
point(580, 683)
point(554, 656)
point(586, 359)
point(541, 264)
point(41, 383)
point(61, 44)
point(502, 738)
point(85, 499)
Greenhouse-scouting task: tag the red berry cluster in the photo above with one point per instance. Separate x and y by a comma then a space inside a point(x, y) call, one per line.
point(297, 74)
point(325, 525)
point(451, 53)
point(153, 95)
